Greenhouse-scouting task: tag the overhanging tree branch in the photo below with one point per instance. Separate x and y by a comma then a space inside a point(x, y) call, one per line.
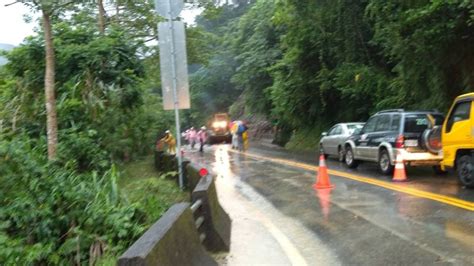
point(16, 2)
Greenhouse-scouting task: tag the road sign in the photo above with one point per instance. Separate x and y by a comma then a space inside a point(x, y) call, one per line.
point(169, 33)
point(174, 66)
point(165, 7)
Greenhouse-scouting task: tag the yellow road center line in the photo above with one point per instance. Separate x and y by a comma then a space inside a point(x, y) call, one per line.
point(396, 187)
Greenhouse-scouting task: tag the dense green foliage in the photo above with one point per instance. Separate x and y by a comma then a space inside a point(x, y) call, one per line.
point(307, 64)
point(210, 78)
point(72, 210)
point(140, 179)
point(52, 214)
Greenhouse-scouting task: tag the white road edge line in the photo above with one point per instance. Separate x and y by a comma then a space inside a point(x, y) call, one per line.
point(292, 253)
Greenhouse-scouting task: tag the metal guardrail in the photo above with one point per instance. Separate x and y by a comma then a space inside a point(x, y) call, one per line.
point(200, 220)
point(210, 220)
point(202, 237)
point(196, 205)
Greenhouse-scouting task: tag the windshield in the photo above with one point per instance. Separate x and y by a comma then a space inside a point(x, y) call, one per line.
point(417, 123)
point(221, 117)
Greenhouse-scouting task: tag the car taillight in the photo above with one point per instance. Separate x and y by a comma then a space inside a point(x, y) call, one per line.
point(400, 142)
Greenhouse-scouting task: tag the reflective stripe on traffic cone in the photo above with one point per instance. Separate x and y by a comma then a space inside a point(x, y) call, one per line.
point(322, 179)
point(399, 175)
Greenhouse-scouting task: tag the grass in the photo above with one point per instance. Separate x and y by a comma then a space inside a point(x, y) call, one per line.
point(305, 139)
point(154, 193)
point(141, 184)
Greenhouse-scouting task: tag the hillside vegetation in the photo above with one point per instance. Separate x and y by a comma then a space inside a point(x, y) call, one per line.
point(307, 64)
point(76, 206)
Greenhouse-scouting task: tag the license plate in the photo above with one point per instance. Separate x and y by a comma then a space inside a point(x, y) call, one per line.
point(411, 143)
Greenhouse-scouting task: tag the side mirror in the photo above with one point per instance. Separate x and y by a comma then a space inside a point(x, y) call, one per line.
point(324, 134)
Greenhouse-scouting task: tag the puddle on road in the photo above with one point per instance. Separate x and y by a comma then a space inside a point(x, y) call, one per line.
point(244, 203)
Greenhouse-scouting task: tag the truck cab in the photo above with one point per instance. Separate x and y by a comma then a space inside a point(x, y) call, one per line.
point(458, 139)
point(220, 129)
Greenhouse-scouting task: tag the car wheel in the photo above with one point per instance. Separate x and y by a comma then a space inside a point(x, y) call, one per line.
point(465, 169)
point(438, 171)
point(349, 159)
point(341, 155)
point(385, 166)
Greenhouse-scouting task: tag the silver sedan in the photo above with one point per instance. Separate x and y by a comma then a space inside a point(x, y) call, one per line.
point(332, 141)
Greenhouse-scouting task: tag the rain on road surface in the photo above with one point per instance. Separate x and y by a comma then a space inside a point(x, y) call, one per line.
point(356, 223)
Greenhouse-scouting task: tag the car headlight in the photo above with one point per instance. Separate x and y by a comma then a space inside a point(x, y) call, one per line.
point(219, 124)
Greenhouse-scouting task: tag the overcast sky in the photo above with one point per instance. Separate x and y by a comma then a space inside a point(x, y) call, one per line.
point(13, 28)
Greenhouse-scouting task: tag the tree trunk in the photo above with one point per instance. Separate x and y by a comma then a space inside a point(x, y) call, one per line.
point(49, 80)
point(117, 11)
point(101, 16)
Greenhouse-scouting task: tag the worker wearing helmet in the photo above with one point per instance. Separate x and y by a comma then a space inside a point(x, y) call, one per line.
point(202, 136)
point(170, 142)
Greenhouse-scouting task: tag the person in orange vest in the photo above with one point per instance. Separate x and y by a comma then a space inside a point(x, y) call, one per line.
point(170, 142)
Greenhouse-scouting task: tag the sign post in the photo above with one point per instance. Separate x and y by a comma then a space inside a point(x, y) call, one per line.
point(173, 66)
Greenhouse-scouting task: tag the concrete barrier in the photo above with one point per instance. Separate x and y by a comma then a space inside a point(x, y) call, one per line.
point(192, 175)
point(165, 162)
point(175, 239)
point(172, 240)
point(217, 225)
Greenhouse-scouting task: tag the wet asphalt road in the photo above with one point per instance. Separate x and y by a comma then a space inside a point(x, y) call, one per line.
point(355, 223)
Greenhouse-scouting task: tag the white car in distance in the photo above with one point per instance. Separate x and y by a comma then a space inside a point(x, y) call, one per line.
point(332, 141)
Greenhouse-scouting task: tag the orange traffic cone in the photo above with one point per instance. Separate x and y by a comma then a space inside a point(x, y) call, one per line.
point(399, 175)
point(322, 180)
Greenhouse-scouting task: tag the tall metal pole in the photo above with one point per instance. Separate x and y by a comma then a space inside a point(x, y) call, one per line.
point(176, 103)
